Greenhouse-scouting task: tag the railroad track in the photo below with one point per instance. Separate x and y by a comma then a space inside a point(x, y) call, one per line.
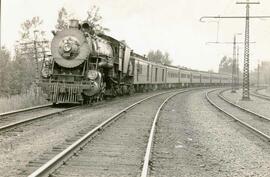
point(17, 118)
point(251, 120)
point(258, 95)
point(110, 140)
point(242, 108)
point(24, 110)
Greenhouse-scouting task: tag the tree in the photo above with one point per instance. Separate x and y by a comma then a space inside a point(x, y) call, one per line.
point(28, 54)
point(225, 65)
point(5, 62)
point(158, 57)
point(31, 29)
point(24, 72)
point(264, 70)
point(62, 20)
point(94, 20)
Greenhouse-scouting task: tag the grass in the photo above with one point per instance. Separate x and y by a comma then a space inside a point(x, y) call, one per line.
point(21, 101)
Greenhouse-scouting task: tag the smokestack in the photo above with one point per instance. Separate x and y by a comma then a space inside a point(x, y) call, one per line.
point(73, 23)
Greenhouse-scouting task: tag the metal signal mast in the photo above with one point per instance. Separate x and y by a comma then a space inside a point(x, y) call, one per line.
point(245, 95)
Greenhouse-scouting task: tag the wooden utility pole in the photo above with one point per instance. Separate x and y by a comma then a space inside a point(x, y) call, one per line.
point(35, 55)
point(36, 62)
point(258, 74)
point(237, 67)
point(234, 66)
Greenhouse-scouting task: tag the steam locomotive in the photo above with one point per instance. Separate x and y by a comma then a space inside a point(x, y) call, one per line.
point(86, 67)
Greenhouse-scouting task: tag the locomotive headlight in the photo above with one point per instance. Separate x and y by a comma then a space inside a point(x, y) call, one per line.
point(45, 72)
point(92, 74)
point(67, 47)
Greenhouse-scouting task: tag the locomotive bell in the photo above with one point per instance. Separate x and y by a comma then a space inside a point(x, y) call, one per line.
point(70, 48)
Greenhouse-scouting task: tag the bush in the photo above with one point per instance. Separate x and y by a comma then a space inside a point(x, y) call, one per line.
point(21, 101)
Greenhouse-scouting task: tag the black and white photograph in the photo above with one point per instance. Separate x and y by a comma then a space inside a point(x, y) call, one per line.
point(137, 88)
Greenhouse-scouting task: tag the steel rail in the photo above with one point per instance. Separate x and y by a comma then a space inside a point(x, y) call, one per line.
point(267, 137)
point(13, 125)
point(239, 107)
point(24, 110)
point(147, 156)
point(257, 94)
point(260, 96)
point(61, 158)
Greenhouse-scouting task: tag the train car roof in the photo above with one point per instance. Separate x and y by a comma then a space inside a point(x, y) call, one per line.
point(133, 54)
point(111, 39)
point(144, 58)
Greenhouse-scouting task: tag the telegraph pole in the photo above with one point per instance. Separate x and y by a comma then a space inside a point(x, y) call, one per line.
point(237, 67)
point(258, 74)
point(234, 66)
point(36, 62)
point(35, 54)
point(245, 95)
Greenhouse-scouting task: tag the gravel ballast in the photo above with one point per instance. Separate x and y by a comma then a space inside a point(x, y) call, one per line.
point(119, 149)
point(193, 139)
point(264, 91)
point(257, 105)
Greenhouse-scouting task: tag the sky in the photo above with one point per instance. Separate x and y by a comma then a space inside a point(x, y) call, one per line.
point(145, 25)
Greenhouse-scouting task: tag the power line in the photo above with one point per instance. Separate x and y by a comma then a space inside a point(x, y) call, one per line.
point(235, 69)
point(232, 17)
point(247, 17)
point(228, 42)
point(245, 95)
